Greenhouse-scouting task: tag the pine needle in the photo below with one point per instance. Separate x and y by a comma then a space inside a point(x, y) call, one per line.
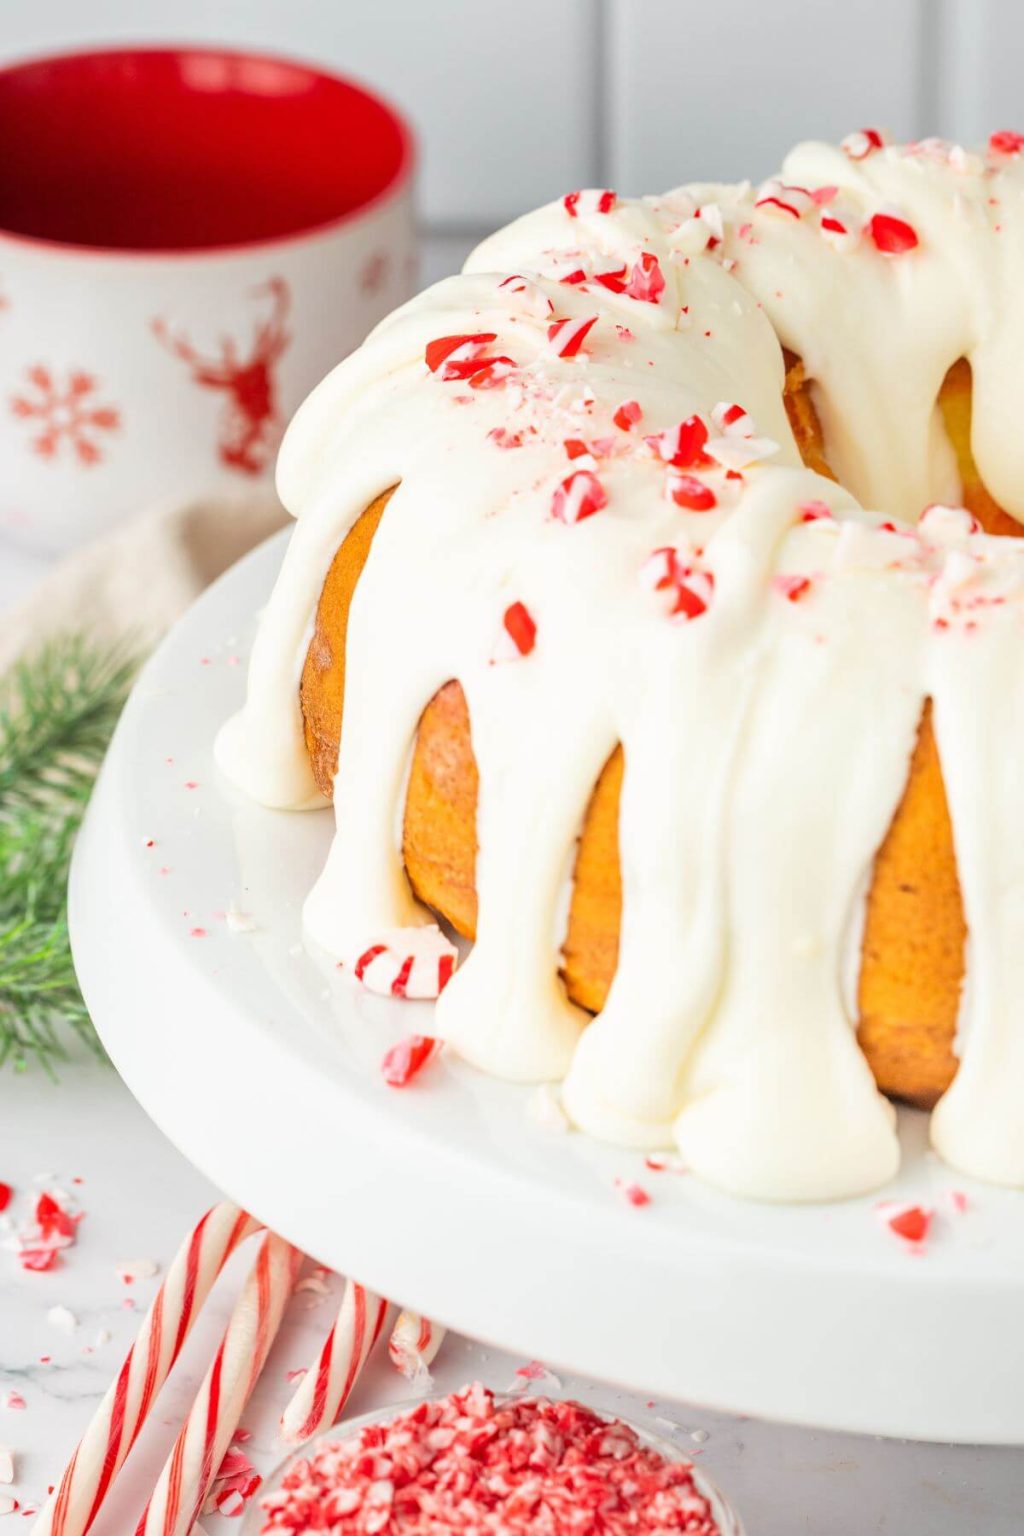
point(58, 709)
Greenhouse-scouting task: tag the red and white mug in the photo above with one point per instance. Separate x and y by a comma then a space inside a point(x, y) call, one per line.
point(190, 238)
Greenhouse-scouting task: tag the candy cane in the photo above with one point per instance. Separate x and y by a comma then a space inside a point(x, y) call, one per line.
point(326, 1387)
point(201, 1446)
point(413, 1344)
point(76, 1501)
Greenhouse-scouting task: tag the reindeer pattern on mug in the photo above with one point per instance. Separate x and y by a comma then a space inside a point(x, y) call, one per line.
point(250, 419)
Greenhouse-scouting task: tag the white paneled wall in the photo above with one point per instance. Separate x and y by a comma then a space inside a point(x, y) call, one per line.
point(516, 102)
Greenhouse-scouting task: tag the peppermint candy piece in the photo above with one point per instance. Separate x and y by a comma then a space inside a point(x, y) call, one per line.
point(566, 337)
point(891, 235)
point(681, 446)
point(627, 415)
point(792, 587)
point(777, 197)
point(532, 297)
point(863, 143)
point(520, 632)
point(578, 497)
point(407, 962)
point(588, 200)
point(646, 281)
point(692, 588)
point(689, 492)
point(407, 1059)
point(457, 357)
point(1005, 142)
point(493, 374)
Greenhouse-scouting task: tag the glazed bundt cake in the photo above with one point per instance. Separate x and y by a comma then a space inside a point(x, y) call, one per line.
point(585, 630)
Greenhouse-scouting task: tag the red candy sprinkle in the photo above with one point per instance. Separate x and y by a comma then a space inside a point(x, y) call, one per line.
point(689, 492)
point(892, 236)
point(6, 1195)
point(833, 225)
point(682, 446)
point(912, 1223)
point(493, 374)
point(634, 1193)
point(466, 1466)
point(458, 357)
point(646, 281)
point(596, 201)
point(579, 496)
point(566, 337)
point(627, 415)
point(614, 279)
point(792, 588)
point(52, 1218)
point(862, 143)
point(1005, 142)
point(407, 1059)
point(520, 626)
point(814, 511)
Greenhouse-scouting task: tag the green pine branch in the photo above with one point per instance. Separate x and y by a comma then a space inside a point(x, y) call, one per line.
point(58, 709)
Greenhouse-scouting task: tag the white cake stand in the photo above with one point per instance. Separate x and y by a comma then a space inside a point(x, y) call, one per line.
point(262, 1065)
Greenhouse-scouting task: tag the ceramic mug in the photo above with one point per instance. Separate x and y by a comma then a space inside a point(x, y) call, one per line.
point(190, 238)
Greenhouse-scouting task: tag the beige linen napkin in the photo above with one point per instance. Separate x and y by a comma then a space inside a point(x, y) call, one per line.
point(138, 579)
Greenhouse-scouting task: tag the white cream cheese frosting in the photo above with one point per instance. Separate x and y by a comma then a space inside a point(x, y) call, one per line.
point(603, 530)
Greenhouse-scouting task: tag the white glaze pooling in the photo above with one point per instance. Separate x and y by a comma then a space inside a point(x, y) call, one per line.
point(767, 738)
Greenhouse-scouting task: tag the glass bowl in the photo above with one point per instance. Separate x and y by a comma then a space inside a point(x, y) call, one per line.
point(728, 1520)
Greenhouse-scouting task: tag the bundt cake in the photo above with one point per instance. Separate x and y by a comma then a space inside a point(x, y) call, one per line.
point(585, 629)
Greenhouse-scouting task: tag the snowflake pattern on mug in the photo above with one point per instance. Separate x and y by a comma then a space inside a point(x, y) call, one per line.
point(375, 273)
point(67, 416)
point(248, 427)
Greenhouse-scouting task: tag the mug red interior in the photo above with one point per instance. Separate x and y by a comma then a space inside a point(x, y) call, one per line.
point(175, 149)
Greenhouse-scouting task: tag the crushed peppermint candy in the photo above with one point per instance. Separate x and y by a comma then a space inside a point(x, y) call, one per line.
point(9, 1504)
point(627, 415)
point(458, 357)
point(6, 1464)
point(681, 446)
point(891, 235)
point(1005, 142)
point(792, 587)
point(407, 1059)
point(468, 1464)
point(6, 1195)
point(633, 1193)
point(589, 200)
point(912, 1223)
point(646, 280)
point(578, 497)
point(520, 628)
point(566, 337)
point(862, 143)
point(689, 492)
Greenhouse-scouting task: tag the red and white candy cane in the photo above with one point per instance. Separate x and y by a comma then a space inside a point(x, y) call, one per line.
point(201, 1446)
point(328, 1383)
point(76, 1501)
point(413, 1344)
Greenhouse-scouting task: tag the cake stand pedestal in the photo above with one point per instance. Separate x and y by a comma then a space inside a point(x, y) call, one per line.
point(261, 1063)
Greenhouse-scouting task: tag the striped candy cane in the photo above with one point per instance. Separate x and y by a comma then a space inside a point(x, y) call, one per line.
point(413, 1344)
point(76, 1501)
point(327, 1384)
point(201, 1446)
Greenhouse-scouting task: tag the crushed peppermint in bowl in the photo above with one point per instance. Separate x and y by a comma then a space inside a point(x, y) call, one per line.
point(484, 1465)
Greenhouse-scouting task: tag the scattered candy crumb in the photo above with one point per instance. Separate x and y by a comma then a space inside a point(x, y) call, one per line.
point(634, 1193)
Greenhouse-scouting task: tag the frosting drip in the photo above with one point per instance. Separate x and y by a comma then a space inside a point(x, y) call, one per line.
point(602, 528)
